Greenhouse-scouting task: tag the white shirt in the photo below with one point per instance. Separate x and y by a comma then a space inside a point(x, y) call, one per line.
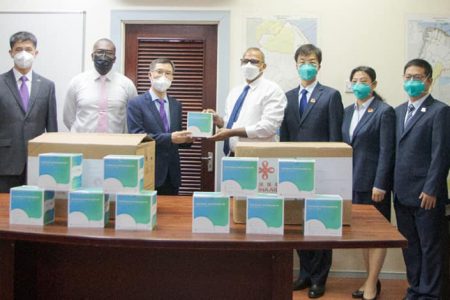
point(309, 88)
point(261, 113)
point(358, 113)
point(29, 76)
point(416, 105)
point(81, 107)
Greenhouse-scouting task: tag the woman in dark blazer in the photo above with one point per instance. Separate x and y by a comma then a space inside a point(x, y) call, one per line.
point(369, 127)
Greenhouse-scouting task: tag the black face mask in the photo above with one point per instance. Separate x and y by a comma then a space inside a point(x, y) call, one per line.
point(103, 64)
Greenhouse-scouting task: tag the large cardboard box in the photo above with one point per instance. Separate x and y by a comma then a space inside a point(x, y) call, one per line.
point(333, 173)
point(93, 146)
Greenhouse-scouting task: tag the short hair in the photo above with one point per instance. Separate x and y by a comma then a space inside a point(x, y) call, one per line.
point(161, 60)
point(368, 70)
point(422, 63)
point(308, 49)
point(257, 50)
point(105, 40)
point(22, 36)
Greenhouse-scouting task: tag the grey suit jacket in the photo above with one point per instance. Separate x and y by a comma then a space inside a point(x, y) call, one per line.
point(373, 144)
point(321, 121)
point(422, 160)
point(18, 126)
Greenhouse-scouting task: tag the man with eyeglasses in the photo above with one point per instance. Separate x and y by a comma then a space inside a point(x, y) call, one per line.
point(160, 116)
point(28, 109)
point(96, 99)
point(254, 109)
point(314, 113)
point(420, 180)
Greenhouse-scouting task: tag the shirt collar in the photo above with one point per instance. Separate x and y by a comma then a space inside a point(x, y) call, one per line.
point(255, 83)
point(17, 75)
point(309, 88)
point(418, 103)
point(96, 75)
point(155, 97)
point(365, 105)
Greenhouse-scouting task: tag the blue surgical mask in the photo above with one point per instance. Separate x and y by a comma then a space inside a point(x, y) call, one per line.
point(414, 87)
point(361, 90)
point(307, 71)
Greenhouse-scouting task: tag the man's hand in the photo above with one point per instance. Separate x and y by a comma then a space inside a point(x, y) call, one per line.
point(377, 195)
point(182, 137)
point(221, 134)
point(217, 120)
point(428, 202)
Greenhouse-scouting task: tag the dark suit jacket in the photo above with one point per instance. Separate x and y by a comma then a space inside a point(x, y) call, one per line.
point(17, 126)
point(143, 117)
point(373, 144)
point(422, 160)
point(322, 120)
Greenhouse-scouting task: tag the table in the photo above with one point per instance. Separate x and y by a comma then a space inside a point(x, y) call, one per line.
point(56, 262)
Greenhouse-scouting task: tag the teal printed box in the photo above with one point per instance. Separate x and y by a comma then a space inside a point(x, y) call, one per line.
point(136, 211)
point(123, 173)
point(265, 214)
point(296, 178)
point(210, 212)
point(323, 215)
point(239, 176)
point(88, 208)
point(31, 205)
point(200, 124)
point(60, 171)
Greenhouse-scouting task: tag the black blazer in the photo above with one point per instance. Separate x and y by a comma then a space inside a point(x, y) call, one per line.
point(373, 144)
point(321, 121)
point(422, 160)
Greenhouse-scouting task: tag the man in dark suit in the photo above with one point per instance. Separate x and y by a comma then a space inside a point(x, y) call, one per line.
point(313, 114)
point(27, 109)
point(420, 188)
point(159, 115)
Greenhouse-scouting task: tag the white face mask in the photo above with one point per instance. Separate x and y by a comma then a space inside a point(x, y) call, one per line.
point(161, 84)
point(23, 60)
point(250, 71)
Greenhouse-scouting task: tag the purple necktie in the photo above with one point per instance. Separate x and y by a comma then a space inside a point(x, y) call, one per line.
point(24, 94)
point(162, 114)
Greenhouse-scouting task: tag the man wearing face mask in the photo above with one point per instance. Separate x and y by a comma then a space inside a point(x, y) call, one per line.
point(96, 100)
point(27, 109)
point(253, 110)
point(420, 187)
point(160, 116)
point(314, 113)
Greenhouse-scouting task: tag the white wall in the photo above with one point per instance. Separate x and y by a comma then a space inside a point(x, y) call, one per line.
point(350, 33)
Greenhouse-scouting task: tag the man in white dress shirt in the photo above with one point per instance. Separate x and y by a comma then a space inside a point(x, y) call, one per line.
point(253, 110)
point(96, 100)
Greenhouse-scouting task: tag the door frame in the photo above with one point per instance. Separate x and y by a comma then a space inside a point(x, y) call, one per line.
point(119, 18)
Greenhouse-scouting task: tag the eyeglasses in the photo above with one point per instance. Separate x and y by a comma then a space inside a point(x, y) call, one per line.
point(414, 77)
point(245, 61)
point(103, 52)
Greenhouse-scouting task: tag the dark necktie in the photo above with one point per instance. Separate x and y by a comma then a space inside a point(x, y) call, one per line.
point(24, 93)
point(234, 116)
point(162, 114)
point(409, 115)
point(303, 102)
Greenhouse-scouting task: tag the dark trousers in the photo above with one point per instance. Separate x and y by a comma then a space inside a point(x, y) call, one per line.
point(315, 265)
point(167, 188)
point(9, 181)
point(424, 230)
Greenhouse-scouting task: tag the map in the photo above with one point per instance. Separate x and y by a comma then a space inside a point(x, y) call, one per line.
point(430, 39)
point(278, 38)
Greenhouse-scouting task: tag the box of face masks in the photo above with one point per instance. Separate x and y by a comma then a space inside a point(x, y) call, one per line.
point(123, 173)
point(88, 208)
point(136, 211)
point(296, 178)
point(200, 124)
point(323, 215)
point(265, 214)
point(31, 205)
point(210, 212)
point(239, 176)
point(60, 171)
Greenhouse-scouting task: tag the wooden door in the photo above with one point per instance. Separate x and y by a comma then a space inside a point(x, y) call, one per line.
point(193, 49)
